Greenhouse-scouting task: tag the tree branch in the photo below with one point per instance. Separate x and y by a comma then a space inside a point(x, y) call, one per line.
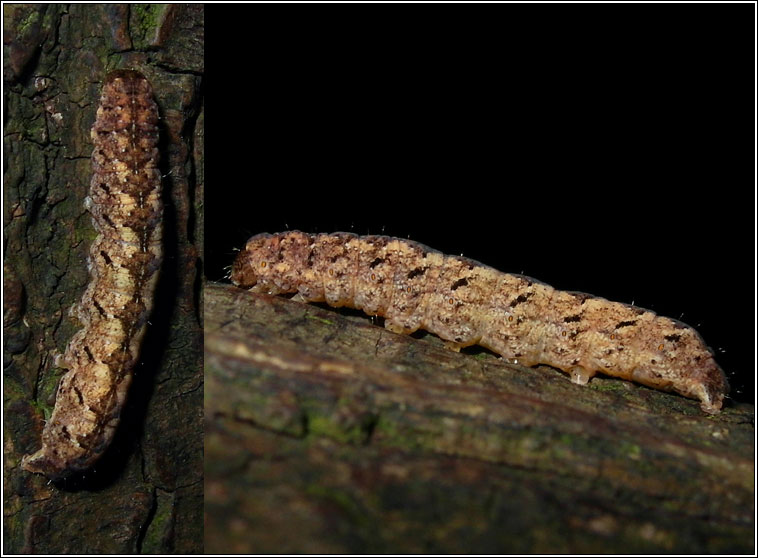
point(359, 440)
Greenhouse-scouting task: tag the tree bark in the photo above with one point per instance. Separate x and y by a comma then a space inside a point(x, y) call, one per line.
point(145, 494)
point(328, 434)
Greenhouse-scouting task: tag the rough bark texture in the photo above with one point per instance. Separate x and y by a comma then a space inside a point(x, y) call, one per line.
point(326, 433)
point(145, 494)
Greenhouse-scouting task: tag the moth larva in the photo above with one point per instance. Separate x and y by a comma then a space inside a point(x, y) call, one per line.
point(467, 303)
point(125, 202)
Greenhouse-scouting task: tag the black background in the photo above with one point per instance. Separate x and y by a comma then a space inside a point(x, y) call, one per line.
point(600, 148)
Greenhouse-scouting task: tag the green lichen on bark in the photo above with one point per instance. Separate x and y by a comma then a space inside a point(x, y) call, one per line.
point(145, 23)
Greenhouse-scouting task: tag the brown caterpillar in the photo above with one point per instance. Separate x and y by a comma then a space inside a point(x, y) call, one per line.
point(467, 303)
point(125, 202)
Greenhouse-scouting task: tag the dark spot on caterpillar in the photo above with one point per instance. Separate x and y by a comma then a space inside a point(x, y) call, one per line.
point(520, 299)
point(375, 263)
point(574, 318)
point(66, 433)
point(99, 308)
point(108, 220)
point(673, 337)
point(416, 272)
point(89, 353)
point(459, 283)
point(625, 324)
point(78, 393)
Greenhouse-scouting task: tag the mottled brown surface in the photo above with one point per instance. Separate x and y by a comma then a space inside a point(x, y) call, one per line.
point(145, 493)
point(326, 433)
point(467, 303)
point(127, 209)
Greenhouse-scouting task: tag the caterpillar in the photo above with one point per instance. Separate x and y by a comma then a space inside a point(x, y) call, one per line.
point(124, 259)
point(465, 302)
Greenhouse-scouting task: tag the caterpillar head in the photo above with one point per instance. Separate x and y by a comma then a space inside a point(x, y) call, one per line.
point(252, 262)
